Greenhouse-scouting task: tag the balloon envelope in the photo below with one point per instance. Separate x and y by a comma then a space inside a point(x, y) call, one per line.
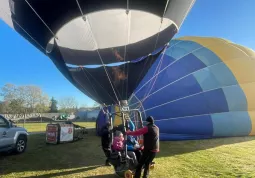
point(86, 32)
point(200, 88)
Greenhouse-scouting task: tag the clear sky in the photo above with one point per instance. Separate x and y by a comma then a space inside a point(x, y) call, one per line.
point(23, 64)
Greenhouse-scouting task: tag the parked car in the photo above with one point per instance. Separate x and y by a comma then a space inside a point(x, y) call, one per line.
point(12, 138)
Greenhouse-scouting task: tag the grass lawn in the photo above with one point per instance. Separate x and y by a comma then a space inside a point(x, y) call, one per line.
point(40, 127)
point(230, 157)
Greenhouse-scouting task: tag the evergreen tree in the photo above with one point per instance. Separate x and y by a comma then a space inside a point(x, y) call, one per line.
point(53, 106)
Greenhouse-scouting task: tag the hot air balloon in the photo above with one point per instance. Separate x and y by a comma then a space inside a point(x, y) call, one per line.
point(103, 47)
point(85, 39)
point(200, 87)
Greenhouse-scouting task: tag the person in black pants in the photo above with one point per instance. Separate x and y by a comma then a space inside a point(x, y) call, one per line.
point(151, 146)
point(106, 142)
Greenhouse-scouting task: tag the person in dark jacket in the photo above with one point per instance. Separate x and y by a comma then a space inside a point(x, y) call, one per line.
point(151, 146)
point(106, 142)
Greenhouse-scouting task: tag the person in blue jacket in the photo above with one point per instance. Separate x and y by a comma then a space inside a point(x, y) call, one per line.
point(130, 125)
point(132, 144)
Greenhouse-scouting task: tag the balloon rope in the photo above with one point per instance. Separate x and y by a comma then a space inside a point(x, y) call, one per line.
point(100, 85)
point(84, 18)
point(166, 68)
point(167, 2)
point(23, 29)
point(155, 46)
point(98, 52)
point(89, 82)
point(157, 69)
point(108, 75)
point(103, 62)
point(190, 96)
point(77, 1)
point(191, 4)
point(86, 90)
point(42, 20)
point(128, 38)
point(154, 75)
point(156, 42)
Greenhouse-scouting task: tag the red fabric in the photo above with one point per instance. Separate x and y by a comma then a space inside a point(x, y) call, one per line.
point(141, 131)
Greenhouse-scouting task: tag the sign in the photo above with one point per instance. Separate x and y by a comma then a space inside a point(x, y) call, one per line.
point(124, 108)
point(66, 132)
point(52, 134)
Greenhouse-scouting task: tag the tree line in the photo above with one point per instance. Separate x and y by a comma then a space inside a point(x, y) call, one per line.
point(31, 99)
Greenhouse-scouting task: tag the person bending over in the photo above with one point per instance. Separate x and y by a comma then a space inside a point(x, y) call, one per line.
point(151, 146)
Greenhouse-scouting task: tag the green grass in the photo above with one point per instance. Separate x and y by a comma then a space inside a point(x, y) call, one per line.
point(41, 127)
point(229, 157)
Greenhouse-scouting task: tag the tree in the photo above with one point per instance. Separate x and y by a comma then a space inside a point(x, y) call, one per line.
point(17, 106)
point(53, 105)
point(3, 107)
point(16, 98)
point(43, 104)
point(24, 99)
point(9, 92)
point(33, 96)
point(68, 104)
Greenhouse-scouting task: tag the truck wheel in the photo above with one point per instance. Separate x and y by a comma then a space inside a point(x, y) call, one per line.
point(21, 144)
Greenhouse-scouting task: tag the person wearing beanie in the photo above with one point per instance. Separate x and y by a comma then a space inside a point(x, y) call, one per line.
point(151, 146)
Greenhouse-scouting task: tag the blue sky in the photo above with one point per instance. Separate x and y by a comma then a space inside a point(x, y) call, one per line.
point(23, 64)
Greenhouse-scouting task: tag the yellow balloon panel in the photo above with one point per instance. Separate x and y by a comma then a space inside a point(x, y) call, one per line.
point(222, 48)
point(243, 69)
point(248, 51)
point(249, 90)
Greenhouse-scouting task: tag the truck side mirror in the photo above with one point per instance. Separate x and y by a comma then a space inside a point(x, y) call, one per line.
point(10, 124)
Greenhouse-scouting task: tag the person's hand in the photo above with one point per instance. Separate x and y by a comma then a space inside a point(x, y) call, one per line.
point(136, 146)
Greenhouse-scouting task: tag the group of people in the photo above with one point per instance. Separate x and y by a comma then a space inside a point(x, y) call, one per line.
point(144, 155)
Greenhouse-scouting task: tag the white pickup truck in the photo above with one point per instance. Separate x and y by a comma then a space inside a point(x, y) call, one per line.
point(12, 138)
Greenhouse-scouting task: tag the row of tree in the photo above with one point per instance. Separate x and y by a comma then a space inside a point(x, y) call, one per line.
point(30, 99)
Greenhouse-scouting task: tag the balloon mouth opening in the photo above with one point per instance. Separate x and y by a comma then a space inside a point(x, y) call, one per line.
point(108, 29)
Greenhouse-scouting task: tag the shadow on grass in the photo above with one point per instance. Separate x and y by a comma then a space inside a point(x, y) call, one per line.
point(81, 155)
point(85, 155)
point(64, 173)
point(171, 148)
point(103, 176)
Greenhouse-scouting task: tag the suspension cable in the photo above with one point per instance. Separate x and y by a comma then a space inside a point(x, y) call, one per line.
point(84, 69)
point(23, 29)
point(157, 69)
point(156, 42)
point(155, 46)
point(86, 90)
point(89, 81)
point(42, 20)
point(171, 65)
point(128, 38)
point(189, 96)
point(77, 1)
point(98, 52)
point(157, 73)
